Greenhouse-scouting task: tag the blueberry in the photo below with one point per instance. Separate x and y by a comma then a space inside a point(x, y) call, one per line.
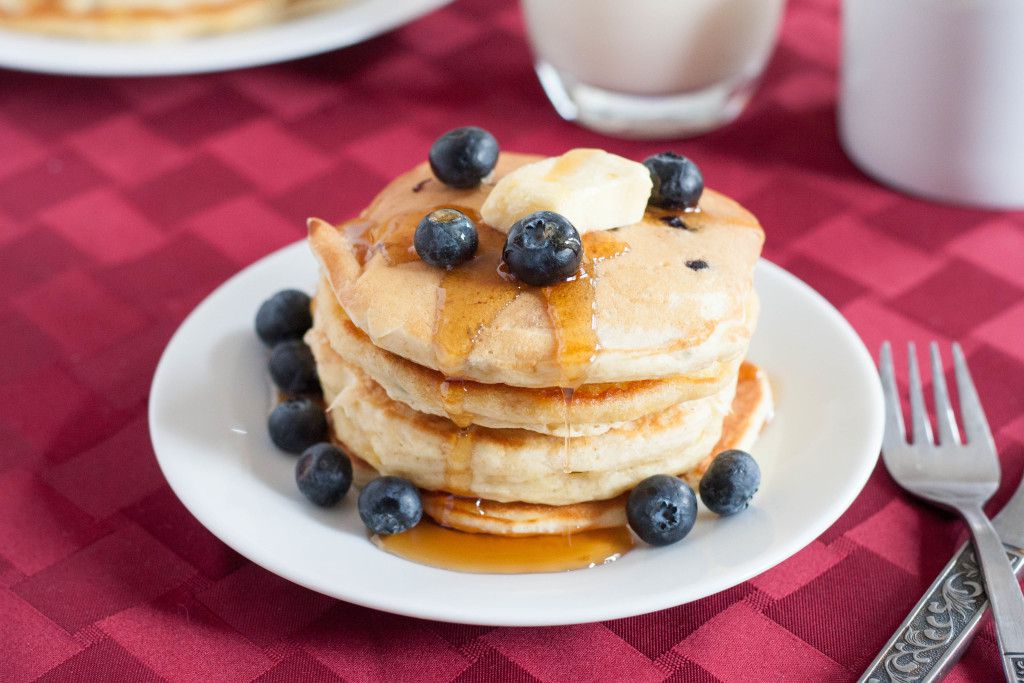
point(543, 248)
point(324, 474)
point(293, 369)
point(446, 238)
point(675, 222)
point(661, 509)
point(390, 505)
point(283, 316)
point(678, 183)
point(730, 482)
point(297, 424)
point(464, 156)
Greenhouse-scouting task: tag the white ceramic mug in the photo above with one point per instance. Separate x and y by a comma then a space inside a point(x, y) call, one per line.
point(932, 97)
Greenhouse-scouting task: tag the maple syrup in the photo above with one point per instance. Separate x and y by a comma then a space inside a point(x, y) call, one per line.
point(568, 393)
point(572, 308)
point(458, 471)
point(470, 298)
point(603, 245)
point(357, 232)
point(453, 398)
point(431, 544)
point(568, 164)
point(394, 237)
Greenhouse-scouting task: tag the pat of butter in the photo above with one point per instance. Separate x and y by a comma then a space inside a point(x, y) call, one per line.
point(595, 190)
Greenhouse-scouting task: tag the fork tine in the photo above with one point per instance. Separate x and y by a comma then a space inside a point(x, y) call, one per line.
point(921, 427)
point(894, 430)
point(944, 420)
point(975, 424)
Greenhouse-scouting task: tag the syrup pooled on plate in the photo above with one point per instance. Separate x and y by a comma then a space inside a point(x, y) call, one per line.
point(430, 544)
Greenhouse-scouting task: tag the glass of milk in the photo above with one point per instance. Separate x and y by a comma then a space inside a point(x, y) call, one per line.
point(651, 68)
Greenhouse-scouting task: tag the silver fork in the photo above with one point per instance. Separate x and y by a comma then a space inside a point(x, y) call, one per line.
point(960, 476)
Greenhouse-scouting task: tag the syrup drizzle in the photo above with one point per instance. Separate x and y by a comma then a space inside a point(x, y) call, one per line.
point(458, 472)
point(458, 469)
point(357, 232)
point(470, 298)
point(453, 398)
point(567, 164)
point(568, 393)
point(572, 308)
point(394, 237)
point(603, 245)
point(430, 544)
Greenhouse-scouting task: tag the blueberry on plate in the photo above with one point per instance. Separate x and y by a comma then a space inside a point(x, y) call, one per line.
point(463, 157)
point(678, 183)
point(446, 238)
point(323, 474)
point(543, 248)
point(390, 505)
point(297, 424)
point(730, 482)
point(661, 509)
point(293, 369)
point(283, 316)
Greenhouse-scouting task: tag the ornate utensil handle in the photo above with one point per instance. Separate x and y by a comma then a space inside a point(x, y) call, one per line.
point(932, 638)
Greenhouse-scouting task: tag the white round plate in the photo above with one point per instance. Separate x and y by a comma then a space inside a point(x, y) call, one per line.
point(349, 23)
point(207, 418)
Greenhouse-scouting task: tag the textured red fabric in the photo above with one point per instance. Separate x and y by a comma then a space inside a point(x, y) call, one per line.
point(124, 202)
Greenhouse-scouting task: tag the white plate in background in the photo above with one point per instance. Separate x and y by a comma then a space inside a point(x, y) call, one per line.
point(351, 22)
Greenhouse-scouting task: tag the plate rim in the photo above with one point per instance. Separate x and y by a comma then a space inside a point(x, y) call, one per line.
point(594, 611)
point(256, 46)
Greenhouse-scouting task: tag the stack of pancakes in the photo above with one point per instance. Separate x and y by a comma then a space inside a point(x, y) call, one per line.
point(523, 410)
point(146, 19)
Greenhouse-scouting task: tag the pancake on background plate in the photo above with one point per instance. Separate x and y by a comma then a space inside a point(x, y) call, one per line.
point(130, 20)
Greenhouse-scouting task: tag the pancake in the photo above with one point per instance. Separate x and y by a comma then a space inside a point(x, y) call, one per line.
point(751, 411)
point(590, 410)
point(508, 465)
point(131, 20)
point(636, 312)
point(752, 408)
point(521, 410)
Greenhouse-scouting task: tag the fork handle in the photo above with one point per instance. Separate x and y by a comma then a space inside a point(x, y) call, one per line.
point(937, 631)
point(1004, 592)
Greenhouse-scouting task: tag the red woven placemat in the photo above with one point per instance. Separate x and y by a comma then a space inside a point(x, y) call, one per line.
point(124, 202)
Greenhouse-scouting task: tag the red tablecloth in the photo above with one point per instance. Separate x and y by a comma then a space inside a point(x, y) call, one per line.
point(124, 202)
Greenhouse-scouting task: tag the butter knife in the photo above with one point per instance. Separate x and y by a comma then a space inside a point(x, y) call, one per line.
point(931, 639)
